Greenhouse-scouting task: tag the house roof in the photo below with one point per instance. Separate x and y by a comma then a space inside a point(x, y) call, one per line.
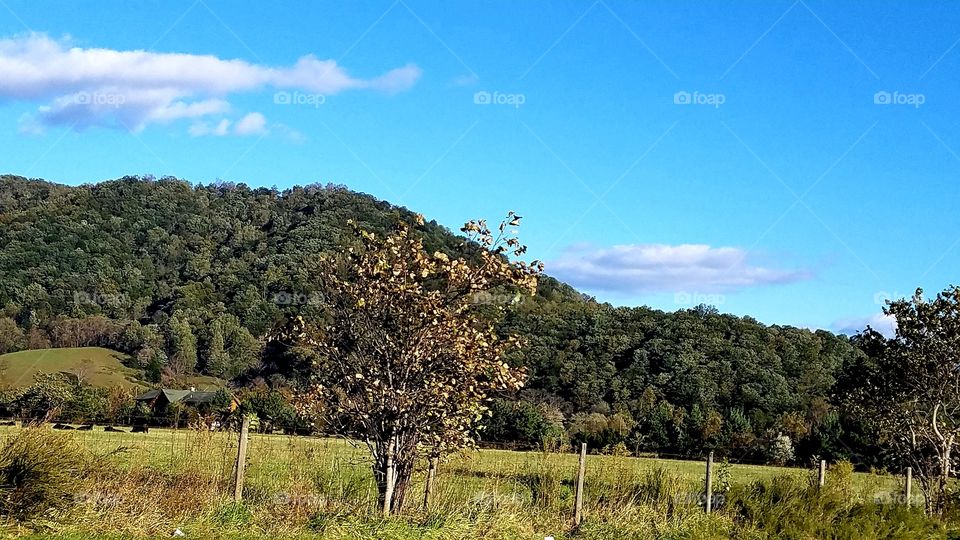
point(188, 397)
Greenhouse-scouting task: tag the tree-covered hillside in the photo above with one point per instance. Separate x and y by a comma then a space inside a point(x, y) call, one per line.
point(191, 279)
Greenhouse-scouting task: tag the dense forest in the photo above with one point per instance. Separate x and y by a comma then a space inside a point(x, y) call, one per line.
point(192, 279)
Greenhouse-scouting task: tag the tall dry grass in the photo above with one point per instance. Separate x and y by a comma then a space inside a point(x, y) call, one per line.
point(298, 487)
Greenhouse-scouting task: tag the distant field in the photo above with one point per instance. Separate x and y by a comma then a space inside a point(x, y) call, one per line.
point(100, 367)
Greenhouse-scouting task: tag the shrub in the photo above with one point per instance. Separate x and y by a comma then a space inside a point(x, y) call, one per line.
point(781, 450)
point(620, 450)
point(840, 478)
point(39, 470)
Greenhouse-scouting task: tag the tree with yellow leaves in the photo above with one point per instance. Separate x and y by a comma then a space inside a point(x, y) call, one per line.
point(408, 360)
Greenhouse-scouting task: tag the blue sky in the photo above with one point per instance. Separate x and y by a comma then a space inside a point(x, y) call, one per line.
point(792, 161)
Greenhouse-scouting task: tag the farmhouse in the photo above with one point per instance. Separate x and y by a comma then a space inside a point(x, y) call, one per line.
point(164, 397)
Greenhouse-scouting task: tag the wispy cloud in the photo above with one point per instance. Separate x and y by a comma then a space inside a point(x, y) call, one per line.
point(885, 324)
point(648, 268)
point(251, 124)
point(82, 87)
point(465, 80)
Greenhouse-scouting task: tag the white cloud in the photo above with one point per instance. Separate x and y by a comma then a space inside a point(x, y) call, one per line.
point(131, 89)
point(885, 324)
point(252, 124)
point(201, 129)
point(465, 80)
point(28, 125)
point(648, 268)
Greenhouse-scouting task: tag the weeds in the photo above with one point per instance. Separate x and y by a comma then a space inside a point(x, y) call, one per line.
point(39, 471)
point(307, 487)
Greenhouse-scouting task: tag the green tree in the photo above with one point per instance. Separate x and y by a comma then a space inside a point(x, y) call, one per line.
point(11, 336)
point(182, 345)
point(407, 357)
point(217, 359)
point(910, 391)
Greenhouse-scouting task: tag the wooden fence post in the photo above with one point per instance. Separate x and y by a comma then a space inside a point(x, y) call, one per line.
point(908, 486)
point(578, 505)
point(241, 460)
point(822, 474)
point(428, 489)
point(709, 484)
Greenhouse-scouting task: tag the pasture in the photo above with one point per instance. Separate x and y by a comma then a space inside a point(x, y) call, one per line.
point(151, 484)
point(99, 366)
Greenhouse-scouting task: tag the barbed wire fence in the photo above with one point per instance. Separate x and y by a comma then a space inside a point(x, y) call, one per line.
point(277, 466)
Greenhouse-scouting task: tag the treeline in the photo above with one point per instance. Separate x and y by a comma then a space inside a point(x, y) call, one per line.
point(69, 398)
point(192, 279)
point(678, 383)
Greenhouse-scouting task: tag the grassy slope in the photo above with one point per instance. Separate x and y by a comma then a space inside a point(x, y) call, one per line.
point(98, 366)
point(101, 367)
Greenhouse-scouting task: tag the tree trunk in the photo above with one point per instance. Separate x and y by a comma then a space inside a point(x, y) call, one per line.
point(390, 479)
point(403, 475)
point(393, 470)
point(940, 497)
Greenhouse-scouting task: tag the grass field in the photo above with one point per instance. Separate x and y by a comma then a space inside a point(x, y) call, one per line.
point(100, 367)
point(150, 484)
point(97, 366)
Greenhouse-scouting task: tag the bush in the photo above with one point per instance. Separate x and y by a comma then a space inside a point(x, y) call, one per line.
point(39, 470)
point(781, 450)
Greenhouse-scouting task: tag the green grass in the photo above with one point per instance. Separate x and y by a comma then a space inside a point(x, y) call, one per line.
point(301, 487)
point(100, 367)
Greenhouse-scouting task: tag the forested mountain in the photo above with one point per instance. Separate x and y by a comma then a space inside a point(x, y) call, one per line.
point(192, 278)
